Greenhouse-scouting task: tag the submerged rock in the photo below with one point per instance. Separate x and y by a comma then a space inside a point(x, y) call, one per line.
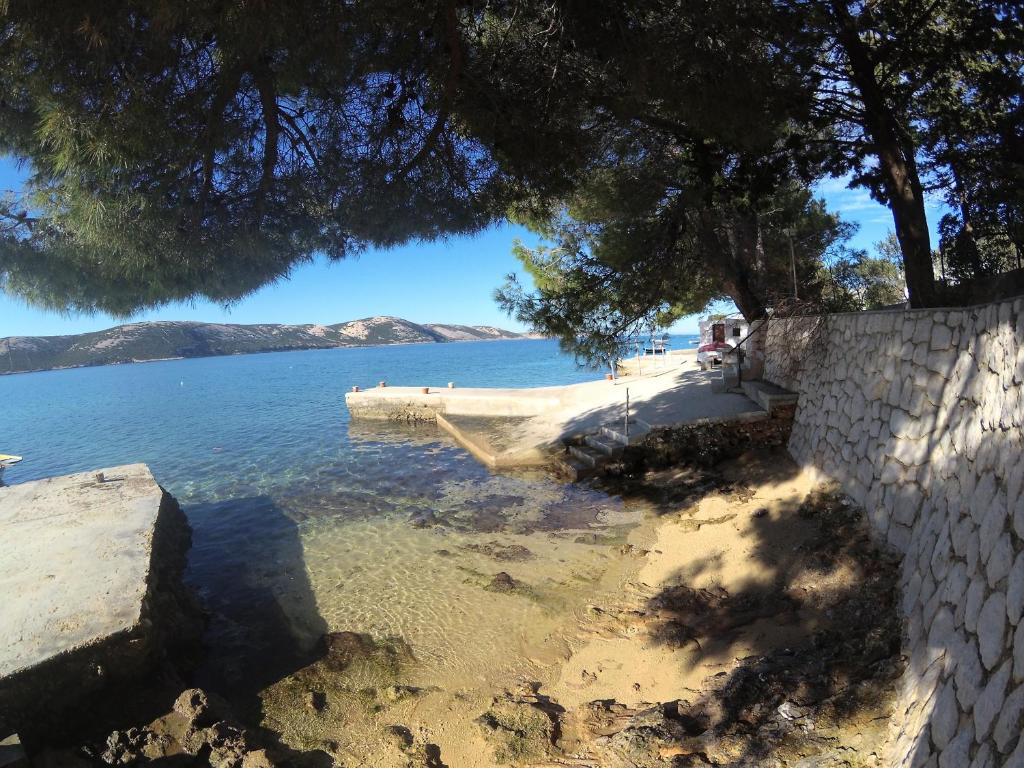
point(505, 584)
point(508, 553)
point(342, 649)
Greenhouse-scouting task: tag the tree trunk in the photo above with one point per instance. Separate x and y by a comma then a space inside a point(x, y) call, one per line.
point(745, 298)
point(896, 164)
point(967, 233)
point(743, 238)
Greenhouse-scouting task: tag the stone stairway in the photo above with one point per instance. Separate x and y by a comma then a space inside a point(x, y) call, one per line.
point(595, 449)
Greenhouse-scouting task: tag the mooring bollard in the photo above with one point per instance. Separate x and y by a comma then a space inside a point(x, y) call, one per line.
point(355, 389)
point(425, 390)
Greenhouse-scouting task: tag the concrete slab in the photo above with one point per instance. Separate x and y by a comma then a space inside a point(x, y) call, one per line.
point(79, 568)
point(412, 404)
point(538, 420)
point(488, 439)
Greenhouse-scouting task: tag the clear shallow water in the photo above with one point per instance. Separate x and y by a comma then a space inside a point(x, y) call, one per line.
point(304, 523)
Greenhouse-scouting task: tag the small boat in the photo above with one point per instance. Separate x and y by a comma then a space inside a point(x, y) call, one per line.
point(6, 459)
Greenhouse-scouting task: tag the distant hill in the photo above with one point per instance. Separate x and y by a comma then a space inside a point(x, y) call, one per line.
point(138, 342)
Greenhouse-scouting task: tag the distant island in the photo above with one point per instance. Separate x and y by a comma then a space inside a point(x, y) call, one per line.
point(141, 342)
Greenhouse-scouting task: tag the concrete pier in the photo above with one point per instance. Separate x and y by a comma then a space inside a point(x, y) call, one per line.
point(412, 404)
point(90, 573)
point(528, 427)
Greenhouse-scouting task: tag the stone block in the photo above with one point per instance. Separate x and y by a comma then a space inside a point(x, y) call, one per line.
point(941, 337)
point(889, 369)
point(920, 356)
point(92, 590)
point(942, 555)
point(939, 636)
point(878, 516)
point(911, 453)
point(974, 602)
point(992, 526)
point(1015, 591)
point(906, 503)
point(969, 674)
point(898, 537)
point(957, 752)
point(945, 718)
point(1000, 560)
point(983, 757)
point(942, 363)
point(920, 376)
point(990, 702)
point(972, 556)
point(935, 388)
point(992, 629)
point(1016, 760)
point(1008, 725)
point(1018, 653)
point(962, 530)
point(956, 584)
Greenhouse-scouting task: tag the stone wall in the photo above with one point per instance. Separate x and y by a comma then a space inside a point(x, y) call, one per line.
point(918, 414)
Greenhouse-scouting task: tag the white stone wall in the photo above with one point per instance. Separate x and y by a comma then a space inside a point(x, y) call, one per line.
point(918, 414)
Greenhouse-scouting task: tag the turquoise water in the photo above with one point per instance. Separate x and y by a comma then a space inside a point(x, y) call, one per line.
point(220, 426)
point(304, 522)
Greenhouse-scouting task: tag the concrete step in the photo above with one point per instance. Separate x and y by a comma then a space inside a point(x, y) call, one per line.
point(579, 470)
point(603, 444)
point(637, 429)
point(586, 455)
point(768, 395)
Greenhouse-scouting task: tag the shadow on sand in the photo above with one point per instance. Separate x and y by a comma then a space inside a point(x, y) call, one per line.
point(818, 618)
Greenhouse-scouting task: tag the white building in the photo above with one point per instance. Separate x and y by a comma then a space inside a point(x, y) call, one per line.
point(731, 329)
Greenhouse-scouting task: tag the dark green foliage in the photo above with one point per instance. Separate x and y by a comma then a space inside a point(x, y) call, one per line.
point(616, 265)
point(858, 281)
point(205, 148)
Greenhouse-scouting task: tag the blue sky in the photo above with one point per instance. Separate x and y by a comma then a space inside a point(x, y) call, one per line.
point(443, 282)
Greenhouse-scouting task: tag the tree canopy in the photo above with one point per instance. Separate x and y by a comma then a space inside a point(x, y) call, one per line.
point(204, 148)
point(612, 266)
point(197, 149)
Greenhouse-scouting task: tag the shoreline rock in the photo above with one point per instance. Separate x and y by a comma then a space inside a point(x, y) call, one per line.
point(70, 672)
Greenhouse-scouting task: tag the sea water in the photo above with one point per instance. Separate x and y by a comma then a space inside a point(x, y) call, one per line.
point(305, 523)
